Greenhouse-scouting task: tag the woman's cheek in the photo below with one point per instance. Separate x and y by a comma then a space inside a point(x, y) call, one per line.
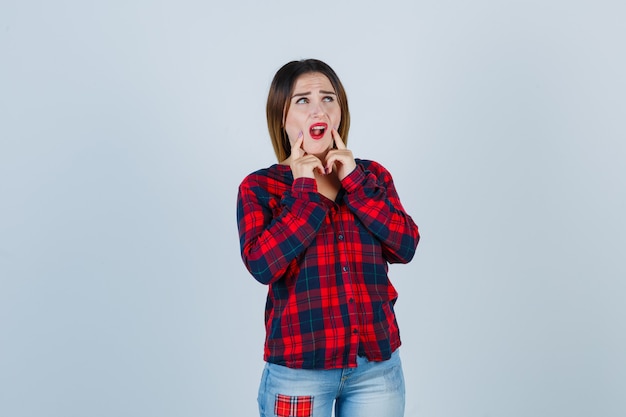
point(292, 137)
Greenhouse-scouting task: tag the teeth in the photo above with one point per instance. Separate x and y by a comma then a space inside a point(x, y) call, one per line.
point(318, 130)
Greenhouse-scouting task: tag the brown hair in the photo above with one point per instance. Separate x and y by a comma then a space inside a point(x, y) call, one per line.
point(278, 101)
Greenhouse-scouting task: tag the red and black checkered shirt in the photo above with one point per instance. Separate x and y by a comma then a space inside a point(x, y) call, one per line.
point(326, 263)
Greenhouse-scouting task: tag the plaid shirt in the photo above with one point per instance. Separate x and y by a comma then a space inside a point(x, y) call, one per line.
point(326, 263)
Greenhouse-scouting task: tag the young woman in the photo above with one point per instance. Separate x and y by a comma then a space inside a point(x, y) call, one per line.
point(320, 228)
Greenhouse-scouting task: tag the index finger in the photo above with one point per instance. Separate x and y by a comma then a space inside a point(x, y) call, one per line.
point(297, 144)
point(338, 140)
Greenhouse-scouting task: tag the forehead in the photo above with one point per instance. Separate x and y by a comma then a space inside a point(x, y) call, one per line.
point(312, 81)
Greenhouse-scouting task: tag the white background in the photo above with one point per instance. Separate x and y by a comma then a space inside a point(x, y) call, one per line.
point(126, 127)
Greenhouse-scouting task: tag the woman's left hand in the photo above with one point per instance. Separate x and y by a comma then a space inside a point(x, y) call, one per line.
point(340, 158)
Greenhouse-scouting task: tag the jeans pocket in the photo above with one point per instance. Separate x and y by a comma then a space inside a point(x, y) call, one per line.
point(394, 378)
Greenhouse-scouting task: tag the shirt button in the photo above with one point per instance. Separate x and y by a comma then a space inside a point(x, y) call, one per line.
point(355, 331)
point(351, 300)
point(340, 237)
point(345, 269)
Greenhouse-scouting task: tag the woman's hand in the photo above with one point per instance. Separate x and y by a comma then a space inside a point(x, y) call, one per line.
point(302, 164)
point(340, 158)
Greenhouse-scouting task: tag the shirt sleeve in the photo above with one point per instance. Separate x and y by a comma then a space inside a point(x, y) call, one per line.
point(372, 197)
point(273, 232)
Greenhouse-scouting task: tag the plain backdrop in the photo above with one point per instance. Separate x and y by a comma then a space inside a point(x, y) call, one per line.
point(127, 126)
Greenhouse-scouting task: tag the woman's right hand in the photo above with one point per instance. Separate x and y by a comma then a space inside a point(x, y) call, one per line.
point(302, 164)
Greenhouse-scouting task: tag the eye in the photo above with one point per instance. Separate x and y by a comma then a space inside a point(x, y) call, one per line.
point(328, 99)
point(302, 100)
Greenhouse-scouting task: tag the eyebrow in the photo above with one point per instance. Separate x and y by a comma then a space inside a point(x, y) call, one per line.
point(309, 93)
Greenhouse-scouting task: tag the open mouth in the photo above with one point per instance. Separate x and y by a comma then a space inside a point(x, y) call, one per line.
point(317, 130)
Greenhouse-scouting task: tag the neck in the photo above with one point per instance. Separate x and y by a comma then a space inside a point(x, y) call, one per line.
point(321, 157)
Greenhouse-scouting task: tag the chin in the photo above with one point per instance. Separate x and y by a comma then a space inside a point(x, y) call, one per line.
point(318, 149)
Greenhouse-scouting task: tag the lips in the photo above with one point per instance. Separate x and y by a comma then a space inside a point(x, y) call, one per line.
point(317, 130)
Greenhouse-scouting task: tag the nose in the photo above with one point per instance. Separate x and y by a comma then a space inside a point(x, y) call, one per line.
point(317, 110)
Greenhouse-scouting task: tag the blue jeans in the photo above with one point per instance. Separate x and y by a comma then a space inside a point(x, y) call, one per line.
point(372, 389)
